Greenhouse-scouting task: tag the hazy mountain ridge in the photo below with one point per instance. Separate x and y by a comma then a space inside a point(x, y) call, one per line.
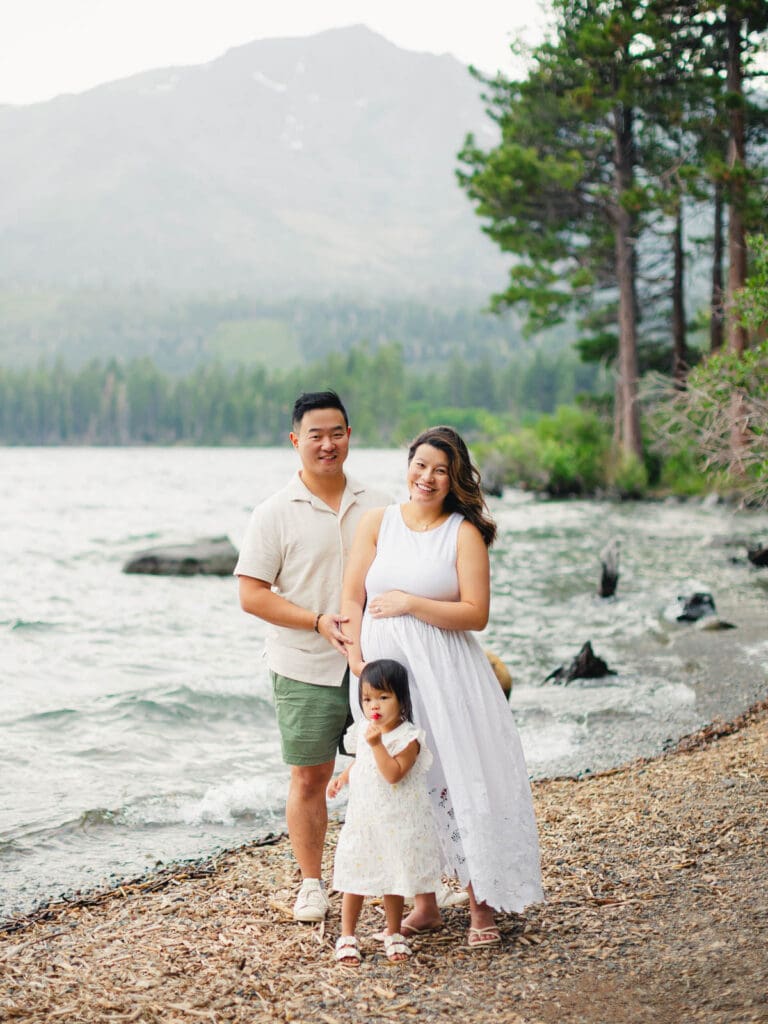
point(310, 166)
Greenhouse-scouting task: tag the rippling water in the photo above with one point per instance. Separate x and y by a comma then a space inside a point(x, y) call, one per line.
point(136, 725)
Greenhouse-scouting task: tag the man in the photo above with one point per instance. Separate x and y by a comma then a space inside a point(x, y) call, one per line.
point(290, 571)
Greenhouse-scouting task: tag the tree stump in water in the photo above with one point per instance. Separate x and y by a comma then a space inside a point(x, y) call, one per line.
point(609, 577)
point(586, 665)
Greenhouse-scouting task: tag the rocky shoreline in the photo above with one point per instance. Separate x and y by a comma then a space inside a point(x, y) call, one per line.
point(656, 876)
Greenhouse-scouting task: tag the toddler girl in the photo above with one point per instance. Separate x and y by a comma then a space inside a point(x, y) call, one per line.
point(388, 845)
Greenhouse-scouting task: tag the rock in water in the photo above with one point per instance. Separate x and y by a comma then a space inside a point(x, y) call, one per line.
point(696, 606)
point(208, 556)
point(758, 556)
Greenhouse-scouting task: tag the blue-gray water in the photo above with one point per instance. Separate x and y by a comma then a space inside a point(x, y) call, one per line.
point(135, 719)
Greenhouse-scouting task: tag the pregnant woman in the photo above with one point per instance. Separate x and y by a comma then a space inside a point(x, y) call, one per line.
point(416, 587)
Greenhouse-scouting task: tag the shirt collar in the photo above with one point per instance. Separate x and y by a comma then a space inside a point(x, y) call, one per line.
point(298, 491)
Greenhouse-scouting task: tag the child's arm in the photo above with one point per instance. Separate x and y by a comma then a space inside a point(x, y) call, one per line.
point(392, 767)
point(336, 785)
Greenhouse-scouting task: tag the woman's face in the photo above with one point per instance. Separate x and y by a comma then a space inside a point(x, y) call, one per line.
point(428, 479)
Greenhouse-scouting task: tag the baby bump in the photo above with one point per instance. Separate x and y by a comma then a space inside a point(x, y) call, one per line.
point(379, 639)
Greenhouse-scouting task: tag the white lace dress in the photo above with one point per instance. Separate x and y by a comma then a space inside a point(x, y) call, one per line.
point(388, 844)
point(478, 782)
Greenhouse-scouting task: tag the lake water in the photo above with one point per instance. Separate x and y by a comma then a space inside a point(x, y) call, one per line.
point(136, 725)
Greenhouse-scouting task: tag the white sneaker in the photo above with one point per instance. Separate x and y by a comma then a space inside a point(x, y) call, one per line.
point(311, 904)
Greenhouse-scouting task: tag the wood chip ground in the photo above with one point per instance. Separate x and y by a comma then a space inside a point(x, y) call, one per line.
point(657, 883)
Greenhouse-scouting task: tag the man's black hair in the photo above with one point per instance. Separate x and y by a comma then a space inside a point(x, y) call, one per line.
point(310, 400)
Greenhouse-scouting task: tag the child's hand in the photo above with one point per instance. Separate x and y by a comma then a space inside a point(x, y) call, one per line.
point(373, 734)
point(336, 785)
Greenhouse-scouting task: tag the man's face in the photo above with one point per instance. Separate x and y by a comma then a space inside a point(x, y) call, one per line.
point(322, 441)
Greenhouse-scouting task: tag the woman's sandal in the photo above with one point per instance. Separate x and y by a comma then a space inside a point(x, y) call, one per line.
point(396, 948)
point(488, 936)
point(346, 951)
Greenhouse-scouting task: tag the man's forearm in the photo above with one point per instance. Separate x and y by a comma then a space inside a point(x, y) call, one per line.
point(261, 601)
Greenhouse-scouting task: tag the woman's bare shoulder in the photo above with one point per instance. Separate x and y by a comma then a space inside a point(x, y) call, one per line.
point(370, 522)
point(469, 532)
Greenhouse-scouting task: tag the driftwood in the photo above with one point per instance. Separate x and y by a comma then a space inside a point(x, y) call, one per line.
point(609, 557)
point(586, 665)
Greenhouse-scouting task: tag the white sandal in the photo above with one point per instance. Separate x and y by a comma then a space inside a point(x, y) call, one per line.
point(396, 948)
point(347, 952)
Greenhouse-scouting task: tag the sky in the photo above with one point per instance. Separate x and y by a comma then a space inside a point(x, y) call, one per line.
point(49, 47)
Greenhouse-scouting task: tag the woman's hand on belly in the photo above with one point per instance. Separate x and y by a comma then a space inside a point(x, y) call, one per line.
point(389, 604)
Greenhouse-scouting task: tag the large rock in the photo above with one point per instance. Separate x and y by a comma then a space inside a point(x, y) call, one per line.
point(207, 556)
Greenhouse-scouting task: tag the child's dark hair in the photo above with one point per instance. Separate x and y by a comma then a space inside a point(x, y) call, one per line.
point(392, 677)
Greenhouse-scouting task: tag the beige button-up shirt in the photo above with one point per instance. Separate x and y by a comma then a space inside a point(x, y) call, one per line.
point(299, 545)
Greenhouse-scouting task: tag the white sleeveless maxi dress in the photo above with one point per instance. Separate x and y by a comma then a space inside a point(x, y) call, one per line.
point(478, 781)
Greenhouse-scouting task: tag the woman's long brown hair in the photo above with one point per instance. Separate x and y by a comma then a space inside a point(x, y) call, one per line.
point(465, 495)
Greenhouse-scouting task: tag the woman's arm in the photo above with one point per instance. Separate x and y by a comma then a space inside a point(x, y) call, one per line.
point(353, 592)
point(470, 611)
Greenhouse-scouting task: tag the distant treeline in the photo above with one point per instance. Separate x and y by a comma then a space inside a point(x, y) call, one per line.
point(182, 332)
point(116, 403)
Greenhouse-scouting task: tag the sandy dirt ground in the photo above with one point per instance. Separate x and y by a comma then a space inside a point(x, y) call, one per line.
point(656, 876)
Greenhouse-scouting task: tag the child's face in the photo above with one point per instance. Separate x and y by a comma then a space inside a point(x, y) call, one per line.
point(381, 706)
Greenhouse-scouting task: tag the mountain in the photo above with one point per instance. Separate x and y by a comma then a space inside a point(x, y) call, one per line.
point(316, 166)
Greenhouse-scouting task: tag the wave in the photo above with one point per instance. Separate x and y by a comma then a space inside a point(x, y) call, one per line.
point(31, 625)
point(178, 705)
point(185, 703)
point(51, 717)
point(239, 802)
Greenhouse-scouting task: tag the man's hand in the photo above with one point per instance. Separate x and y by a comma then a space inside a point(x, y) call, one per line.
point(330, 628)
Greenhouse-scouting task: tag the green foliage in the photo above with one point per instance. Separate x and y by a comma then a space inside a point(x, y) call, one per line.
point(681, 474)
point(719, 424)
point(562, 454)
point(752, 302)
point(628, 476)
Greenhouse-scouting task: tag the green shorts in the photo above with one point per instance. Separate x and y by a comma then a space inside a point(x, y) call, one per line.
point(312, 719)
